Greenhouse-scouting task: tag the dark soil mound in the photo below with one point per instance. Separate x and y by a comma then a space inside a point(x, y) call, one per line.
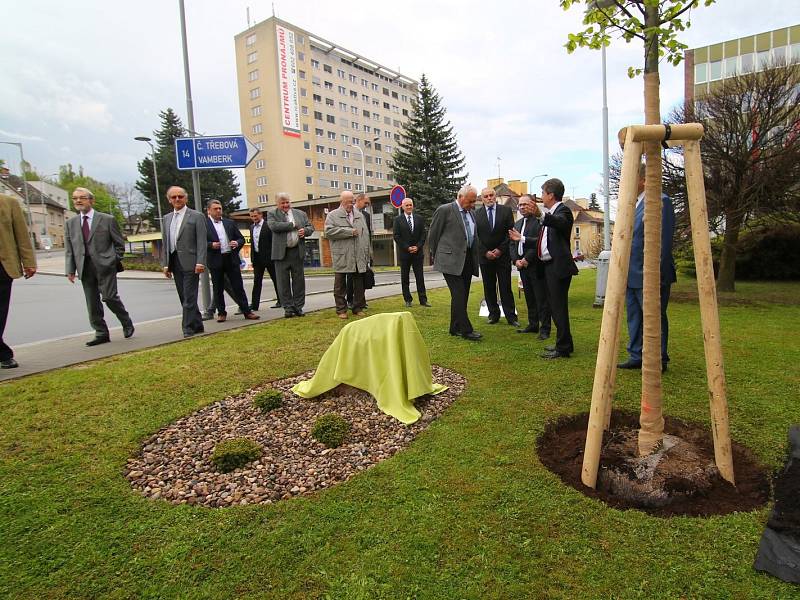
point(561, 447)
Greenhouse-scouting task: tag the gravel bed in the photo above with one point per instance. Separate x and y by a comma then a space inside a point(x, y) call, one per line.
point(174, 464)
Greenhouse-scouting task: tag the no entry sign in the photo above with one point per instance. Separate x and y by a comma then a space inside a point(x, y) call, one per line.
point(397, 195)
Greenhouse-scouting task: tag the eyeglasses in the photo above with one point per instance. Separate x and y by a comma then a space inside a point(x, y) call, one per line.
point(81, 198)
point(177, 196)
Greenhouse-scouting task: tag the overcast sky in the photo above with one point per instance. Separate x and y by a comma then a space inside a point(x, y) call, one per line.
point(80, 79)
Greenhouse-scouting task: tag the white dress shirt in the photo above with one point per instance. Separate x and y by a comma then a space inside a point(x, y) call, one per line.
point(175, 227)
point(546, 230)
point(256, 234)
point(224, 244)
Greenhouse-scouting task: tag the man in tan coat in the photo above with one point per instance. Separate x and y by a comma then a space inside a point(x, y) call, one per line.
point(16, 259)
point(348, 235)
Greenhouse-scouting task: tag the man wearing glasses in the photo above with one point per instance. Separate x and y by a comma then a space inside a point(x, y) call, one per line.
point(184, 256)
point(94, 248)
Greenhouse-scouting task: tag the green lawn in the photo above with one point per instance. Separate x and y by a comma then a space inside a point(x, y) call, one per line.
point(466, 512)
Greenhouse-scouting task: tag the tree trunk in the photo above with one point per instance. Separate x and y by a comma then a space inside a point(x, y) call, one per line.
point(726, 279)
point(651, 417)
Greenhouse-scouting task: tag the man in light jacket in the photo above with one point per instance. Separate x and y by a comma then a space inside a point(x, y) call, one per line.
point(348, 235)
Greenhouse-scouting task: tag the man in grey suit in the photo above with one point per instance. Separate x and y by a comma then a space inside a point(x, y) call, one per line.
point(290, 228)
point(452, 239)
point(183, 256)
point(93, 248)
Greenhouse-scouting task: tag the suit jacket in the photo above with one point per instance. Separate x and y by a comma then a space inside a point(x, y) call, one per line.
point(214, 256)
point(448, 241)
point(280, 225)
point(404, 237)
point(529, 250)
point(496, 238)
point(350, 253)
point(636, 269)
point(192, 240)
point(559, 230)
point(368, 218)
point(106, 245)
point(264, 255)
point(15, 243)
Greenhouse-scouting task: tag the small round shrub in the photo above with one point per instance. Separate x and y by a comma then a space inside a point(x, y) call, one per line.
point(268, 399)
point(234, 453)
point(331, 430)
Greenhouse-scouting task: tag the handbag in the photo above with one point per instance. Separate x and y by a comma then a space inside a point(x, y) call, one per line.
point(369, 279)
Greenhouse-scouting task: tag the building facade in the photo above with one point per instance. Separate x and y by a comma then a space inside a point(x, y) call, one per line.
point(707, 67)
point(324, 118)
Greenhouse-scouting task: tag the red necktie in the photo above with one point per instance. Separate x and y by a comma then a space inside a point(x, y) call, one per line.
point(539, 241)
point(85, 228)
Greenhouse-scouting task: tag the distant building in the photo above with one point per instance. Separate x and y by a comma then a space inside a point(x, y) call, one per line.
point(707, 67)
point(48, 208)
point(325, 118)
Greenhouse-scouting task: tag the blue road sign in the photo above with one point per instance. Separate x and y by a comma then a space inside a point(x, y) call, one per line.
point(397, 195)
point(217, 152)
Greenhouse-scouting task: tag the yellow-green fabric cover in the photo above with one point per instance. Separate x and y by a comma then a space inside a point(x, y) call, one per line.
point(384, 355)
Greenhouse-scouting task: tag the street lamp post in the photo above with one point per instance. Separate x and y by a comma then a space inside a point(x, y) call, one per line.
point(363, 173)
point(44, 206)
point(530, 181)
point(24, 187)
point(149, 142)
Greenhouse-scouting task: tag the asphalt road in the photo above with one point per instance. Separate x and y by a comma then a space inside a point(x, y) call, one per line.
point(49, 307)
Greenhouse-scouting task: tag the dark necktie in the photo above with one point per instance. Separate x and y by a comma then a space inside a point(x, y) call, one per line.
point(410, 223)
point(85, 229)
point(491, 218)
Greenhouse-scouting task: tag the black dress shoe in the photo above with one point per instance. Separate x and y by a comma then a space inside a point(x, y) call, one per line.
point(472, 336)
point(127, 330)
point(276, 305)
point(289, 314)
point(425, 303)
point(555, 354)
point(207, 316)
point(514, 323)
point(493, 320)
point(8, 364)
point(98, 340)
point(630, 364)
point(664, 367)
point(528, 329)
point(408, 303)
point(543, 335)
point(188, 334)
point(299, 313)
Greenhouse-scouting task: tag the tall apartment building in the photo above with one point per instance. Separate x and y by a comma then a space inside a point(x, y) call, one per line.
point(325, 119)
point(707, 67)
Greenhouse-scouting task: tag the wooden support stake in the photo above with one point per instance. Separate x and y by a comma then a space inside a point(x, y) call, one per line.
point(708, 310)
point(656, 133)
point(605, 368)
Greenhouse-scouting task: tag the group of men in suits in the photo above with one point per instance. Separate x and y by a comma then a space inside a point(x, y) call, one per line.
point(464, 241)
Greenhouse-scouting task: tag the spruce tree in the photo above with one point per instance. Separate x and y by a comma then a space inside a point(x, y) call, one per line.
point(427, 162)
point(217, 184)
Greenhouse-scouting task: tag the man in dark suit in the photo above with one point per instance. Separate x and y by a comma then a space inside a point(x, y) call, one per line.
point(455, 255)
point(290, 228)
point(493, 222)
point(523, 238)
point(409, 235)
point(184, 255)
point(554, 251)
point(224, 242)
point(633, 292)
point(261, 257)
point(17, 258)
point(93, 246)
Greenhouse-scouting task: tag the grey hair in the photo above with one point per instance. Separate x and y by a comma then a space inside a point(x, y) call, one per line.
point(466, 190)
point(87, 192)
point(282, 196)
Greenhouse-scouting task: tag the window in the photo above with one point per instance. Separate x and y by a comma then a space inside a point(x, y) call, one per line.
point(252, 57)
point(367, 129)
point(345, 138)
point(303, 92)
point(255, 93)
point(327, 68)
point(746, 65)
point(387, 134)
point(309, 180)
point(341, 89)
point(304, 110)
point(318, 115)
point(377, 146)
point(388, 149)
point(306, 145)
point(368, 159)
point(404, 98)
point(378, 159)
point(376, 102)
point(320, 166)
point(315, 63)
point(376, 117)
point(328, 85)
point(356, 141)
point(340, 73)
point(762, 60)
point(354, 94)
point(386, 91)
point(334, 168)
point(348, 185)
point(317, 98)
point(334, 184)
point(394, 95)
point(364, 82)
point(252, 75)
point(715, 70)
point(701, 73)
point(396, 123)
point(354, 110)
point(378, 174)
point(577, 231)
point(330, 119)
point(346, 170)
point(387, 121)
point(308, 162)
point(329, 101)
point(261, 181)
point(344, 123)
point(320, 149)
point(263, 198)
point(780, 55)
point(365, 98)
point(367, 144)
point(301, 56)
point(731, 66)
point(257, 128)
point(332, 151)
point(352, 78)
point(260, 163)
point(255, 111)
point(359, 187)
point(795, 52)
point(370, 188)
point(365, 113)
point(343, 106)
point(305, 127)
point(374, 87)
point(345, 154)
point(319, 132)
point(250, 39)
point(369, 173)
point(332, 135)
point(301, 39)
point(405, 112)
point(302, 74)
point(354, 125)
point(316, 80)
point(386, 106)
point(356, 171)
